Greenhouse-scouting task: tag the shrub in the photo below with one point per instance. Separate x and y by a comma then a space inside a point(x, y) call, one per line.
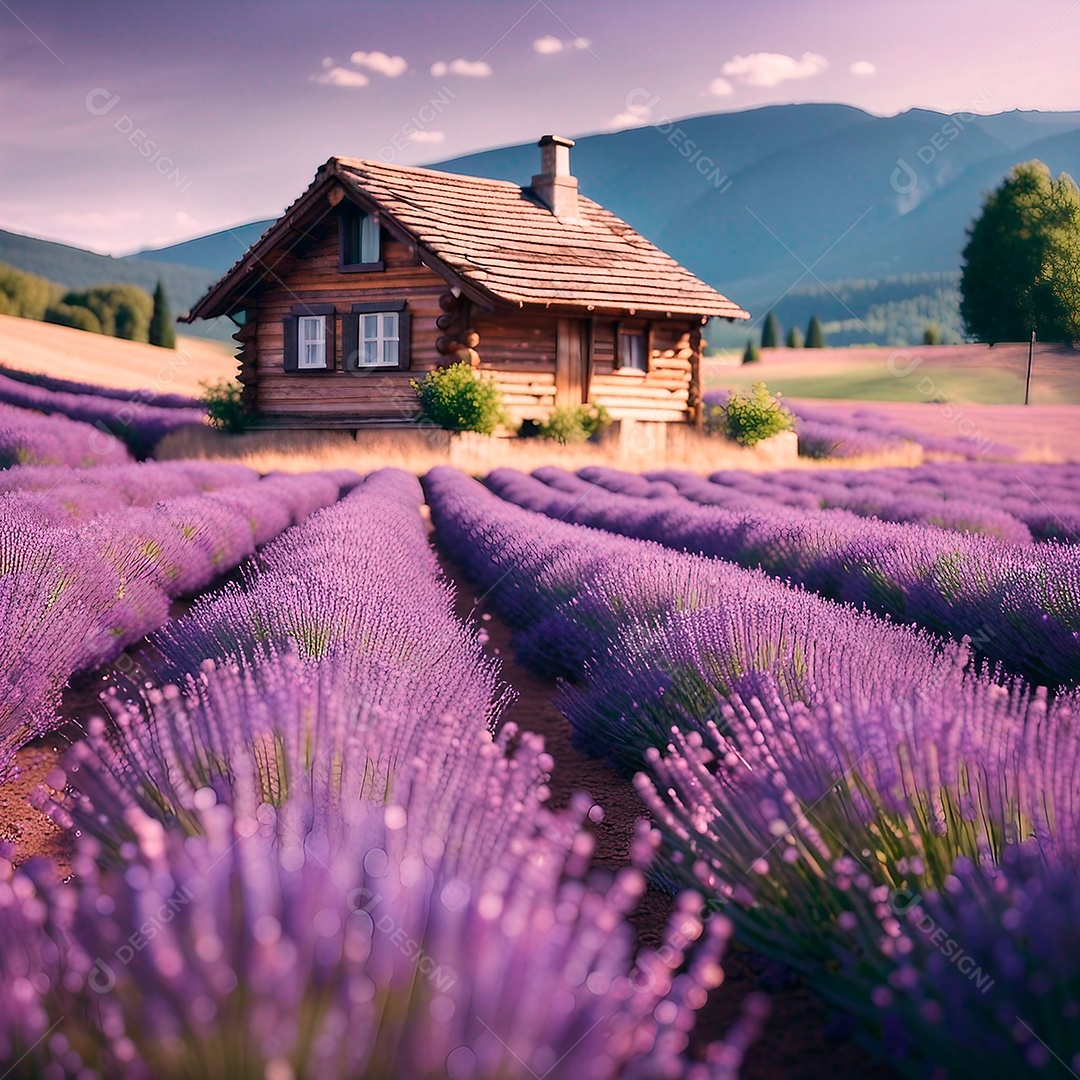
point(749, 418)
point(224, 408)
point(574, 423)
point(459, 399)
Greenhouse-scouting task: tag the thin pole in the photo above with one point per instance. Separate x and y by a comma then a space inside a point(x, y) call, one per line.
point(1027, 384)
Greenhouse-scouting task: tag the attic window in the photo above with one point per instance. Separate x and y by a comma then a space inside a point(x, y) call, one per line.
point(359, 232)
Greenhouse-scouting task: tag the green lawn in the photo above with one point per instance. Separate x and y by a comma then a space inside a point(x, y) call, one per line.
point(972, 374)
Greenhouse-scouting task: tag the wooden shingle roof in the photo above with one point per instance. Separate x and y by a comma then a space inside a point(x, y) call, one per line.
point(501, 240)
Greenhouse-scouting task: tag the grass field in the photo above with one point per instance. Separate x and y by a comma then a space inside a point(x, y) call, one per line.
point(43, 348)
point(976, 374)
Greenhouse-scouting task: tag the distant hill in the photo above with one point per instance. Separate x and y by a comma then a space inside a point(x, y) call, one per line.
point(764, 204)
point(218, 251)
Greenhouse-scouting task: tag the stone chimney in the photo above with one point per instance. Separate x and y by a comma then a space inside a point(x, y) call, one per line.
point(554, 186)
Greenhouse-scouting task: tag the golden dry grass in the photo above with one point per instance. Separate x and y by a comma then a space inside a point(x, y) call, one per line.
point(419, 451)
point(65, 353)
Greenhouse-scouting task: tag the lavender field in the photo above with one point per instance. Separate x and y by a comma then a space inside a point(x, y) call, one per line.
point(812, 732)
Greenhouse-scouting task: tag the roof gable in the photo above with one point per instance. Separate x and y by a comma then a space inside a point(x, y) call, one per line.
point(499, 242)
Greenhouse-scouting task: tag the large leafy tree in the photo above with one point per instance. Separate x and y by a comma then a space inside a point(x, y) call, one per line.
point(1022, 260)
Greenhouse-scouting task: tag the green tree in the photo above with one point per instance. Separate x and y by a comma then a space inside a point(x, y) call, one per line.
point(932, 334)
point(26, 295)
point(124, 311)
point(770, 332)
point(751, 355)
point(69, 315)
point(1022, 260)
point(815, 336)
point(794, 338)
point(161, 332)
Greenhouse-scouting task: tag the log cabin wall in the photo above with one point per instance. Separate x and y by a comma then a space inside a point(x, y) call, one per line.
point(337, 395)
point(665, 392)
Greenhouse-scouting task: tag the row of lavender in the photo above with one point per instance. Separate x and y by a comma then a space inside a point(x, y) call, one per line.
point(1016, 503)
point(1018, 606)
point(856, 431)
point(90, 561)
point(29, 438)
point(903, 832)
point(137, 422)
point(308, 855)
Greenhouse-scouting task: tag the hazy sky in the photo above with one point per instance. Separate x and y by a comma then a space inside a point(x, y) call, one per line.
point(128, 124)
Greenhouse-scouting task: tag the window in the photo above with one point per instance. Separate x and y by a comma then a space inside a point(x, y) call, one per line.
point(359, 240)
point(309, 338)
point(376, 335)
point(311, 334)
point(633, 354)
point(380, 338)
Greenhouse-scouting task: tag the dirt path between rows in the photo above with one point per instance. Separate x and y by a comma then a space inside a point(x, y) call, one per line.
point(793, 1046)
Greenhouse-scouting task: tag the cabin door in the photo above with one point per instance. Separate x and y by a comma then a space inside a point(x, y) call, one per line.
point(571, 363)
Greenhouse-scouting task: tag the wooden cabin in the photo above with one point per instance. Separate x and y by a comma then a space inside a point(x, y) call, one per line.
point(379, 273)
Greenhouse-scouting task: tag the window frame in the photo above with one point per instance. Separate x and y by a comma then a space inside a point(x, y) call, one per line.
point(346, 215)
point(643, 332)
point(291, 338)
point(353, 339)
point(302, 342)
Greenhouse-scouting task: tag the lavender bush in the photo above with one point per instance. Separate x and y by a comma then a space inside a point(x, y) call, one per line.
point(28, 438)
point(1019, 606)
point(70, 386)
point(139, 424)
point(318, 881)
point(1014, 502)
point(84, 573)
point(891, 845)
point(854, 851)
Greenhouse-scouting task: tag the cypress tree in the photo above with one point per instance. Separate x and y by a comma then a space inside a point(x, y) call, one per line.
point(770, 333)
point(162, 331)
point(751, 355)
point(932, 334)
point(794, 338)
point(815, 336)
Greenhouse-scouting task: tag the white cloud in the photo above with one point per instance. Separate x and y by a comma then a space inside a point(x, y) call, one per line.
point(476, 69)
point(721, 88)
point(379, 62)
point(551, 44)
point(770, 69)
point(427, 136)
point(628, 119)
point(548, 44)
point(339, 76)
point(862, 67)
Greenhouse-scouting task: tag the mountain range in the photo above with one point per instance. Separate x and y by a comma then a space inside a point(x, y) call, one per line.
point(782, 206)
